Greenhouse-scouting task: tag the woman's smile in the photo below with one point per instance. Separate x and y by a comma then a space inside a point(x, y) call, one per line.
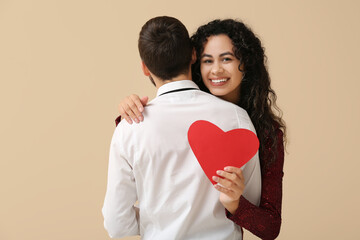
point(218, 81)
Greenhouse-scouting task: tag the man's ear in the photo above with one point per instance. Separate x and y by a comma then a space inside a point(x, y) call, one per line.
point(145, 69)
point(193, 56)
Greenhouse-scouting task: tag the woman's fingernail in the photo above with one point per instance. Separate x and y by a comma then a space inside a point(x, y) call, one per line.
point(218, 172)
point(141, 118)
point(215, 178)
point(140, 109)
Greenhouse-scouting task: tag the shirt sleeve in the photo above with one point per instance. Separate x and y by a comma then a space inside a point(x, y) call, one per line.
point(264, 221)
point(118, 210)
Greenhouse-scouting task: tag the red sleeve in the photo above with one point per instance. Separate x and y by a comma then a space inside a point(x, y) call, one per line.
point(264, 221)
point(117, 120)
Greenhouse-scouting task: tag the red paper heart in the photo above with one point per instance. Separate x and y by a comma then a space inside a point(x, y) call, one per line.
point(216, 149)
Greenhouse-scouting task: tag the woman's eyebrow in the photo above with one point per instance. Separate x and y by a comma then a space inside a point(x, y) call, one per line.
point(206, 55)
point(226, 53)
point(221, 55)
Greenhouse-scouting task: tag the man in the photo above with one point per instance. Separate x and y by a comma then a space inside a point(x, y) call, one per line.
point(152, 162)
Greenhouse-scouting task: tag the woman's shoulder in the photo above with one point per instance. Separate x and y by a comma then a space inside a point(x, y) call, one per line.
point(276, 130)
point(273, 152)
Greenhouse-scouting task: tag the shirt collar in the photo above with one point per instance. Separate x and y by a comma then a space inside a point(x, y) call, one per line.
point(176, 85)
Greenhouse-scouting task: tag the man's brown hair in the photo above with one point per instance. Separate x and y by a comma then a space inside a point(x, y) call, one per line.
point(165, 47)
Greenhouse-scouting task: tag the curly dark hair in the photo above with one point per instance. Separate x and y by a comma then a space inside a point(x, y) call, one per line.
point(256, 95)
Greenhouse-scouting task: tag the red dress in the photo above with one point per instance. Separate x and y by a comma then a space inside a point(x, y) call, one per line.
point(263, 221)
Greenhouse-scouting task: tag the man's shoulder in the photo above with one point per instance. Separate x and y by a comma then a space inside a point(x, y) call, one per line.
point(224, 103)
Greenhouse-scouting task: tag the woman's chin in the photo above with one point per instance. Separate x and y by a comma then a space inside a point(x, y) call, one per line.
point(218, 92)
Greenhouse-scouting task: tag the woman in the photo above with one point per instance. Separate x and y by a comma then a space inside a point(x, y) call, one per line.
point(231, 65)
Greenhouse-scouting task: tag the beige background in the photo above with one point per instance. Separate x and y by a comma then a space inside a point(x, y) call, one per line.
point(65, 65)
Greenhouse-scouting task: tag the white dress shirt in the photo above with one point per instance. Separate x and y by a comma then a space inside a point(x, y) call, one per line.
point(153, 163)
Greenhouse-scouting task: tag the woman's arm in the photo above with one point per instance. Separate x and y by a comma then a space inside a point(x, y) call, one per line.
point(264, 221)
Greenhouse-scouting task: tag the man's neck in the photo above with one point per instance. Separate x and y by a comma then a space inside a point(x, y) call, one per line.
point(181, 77)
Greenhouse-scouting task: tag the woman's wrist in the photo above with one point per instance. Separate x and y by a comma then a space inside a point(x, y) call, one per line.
point(233, 206)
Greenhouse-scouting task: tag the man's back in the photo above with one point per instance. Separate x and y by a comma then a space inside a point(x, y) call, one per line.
point(153, 163)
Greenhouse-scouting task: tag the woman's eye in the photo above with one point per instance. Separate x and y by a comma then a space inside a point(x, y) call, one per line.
point(207, 61)
point(226, 59)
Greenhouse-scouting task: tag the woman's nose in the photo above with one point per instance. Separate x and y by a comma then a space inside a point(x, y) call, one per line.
point(217, 69)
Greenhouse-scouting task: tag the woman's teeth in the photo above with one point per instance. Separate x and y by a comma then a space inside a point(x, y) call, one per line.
point(219, 80)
